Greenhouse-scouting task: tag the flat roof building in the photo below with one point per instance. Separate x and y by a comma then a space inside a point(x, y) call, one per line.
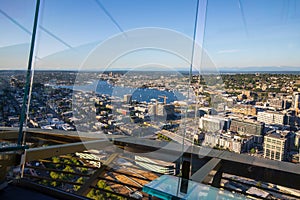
point(276, 145)
point(214, 123)
point(247, 126)
point(156, 165)
point(270, 117)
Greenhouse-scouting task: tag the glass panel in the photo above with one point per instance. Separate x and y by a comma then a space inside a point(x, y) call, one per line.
point(127, 93)
point(103, 76)
point(16, 19)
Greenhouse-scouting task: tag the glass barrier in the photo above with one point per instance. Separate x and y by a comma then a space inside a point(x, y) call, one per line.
point(17, 21)
point(134, 99)
point(102, 76)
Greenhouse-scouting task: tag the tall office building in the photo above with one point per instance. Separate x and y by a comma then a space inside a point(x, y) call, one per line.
point(127, 98)
point(297, 101)
point(166, 110)
point(152, 109)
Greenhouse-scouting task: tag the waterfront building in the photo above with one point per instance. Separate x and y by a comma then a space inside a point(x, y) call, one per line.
point(152, 109)
point(166, 110)
point(127, 98)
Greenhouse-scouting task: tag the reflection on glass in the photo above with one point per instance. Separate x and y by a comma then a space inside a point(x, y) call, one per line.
point(14, 51)
point(155, 98)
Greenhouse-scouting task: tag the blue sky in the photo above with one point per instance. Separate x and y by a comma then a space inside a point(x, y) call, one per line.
point(238, 33)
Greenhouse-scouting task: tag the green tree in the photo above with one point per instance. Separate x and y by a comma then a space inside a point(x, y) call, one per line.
point(54, 184)
point(68, 176)
point(252, 151)
point(258, 184)
point(68, 169)
point(79, 180)
point(55, 159)
point(54, 175)
point(82, 170)
point(67, 161)
point(95, 194)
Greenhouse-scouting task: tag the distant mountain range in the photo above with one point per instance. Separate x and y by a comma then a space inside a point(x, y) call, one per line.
point(262, 69)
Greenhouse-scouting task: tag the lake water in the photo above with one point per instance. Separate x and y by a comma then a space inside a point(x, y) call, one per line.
point(138, 94)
